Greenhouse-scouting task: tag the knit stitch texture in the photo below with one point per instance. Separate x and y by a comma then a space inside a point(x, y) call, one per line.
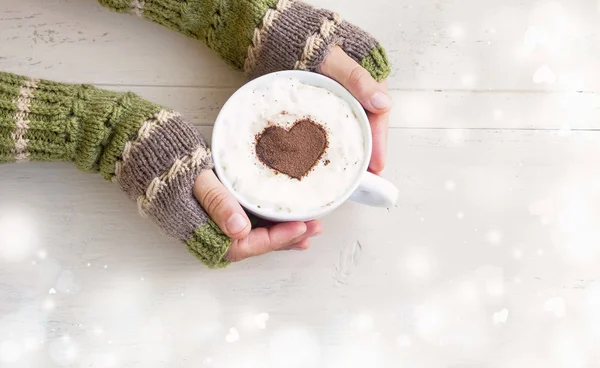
point(150, 152)
point(263, 36)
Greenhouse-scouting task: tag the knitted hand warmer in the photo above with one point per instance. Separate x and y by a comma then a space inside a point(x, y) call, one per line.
point(149, 151)
point(263, 36)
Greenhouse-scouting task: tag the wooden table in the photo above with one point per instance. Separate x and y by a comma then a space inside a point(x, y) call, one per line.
point(490, 258)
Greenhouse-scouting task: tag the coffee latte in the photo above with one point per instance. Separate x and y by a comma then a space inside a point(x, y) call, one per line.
point(290, 147)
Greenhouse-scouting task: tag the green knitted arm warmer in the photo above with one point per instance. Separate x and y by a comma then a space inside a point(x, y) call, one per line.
point(263, 36)
point(149, 151)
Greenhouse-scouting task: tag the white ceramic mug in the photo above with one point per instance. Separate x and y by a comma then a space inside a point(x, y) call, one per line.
point(367, 189)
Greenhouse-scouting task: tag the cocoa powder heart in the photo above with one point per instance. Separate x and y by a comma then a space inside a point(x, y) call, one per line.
point(293, 152)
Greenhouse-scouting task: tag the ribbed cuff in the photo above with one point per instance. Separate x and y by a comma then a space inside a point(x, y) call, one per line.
point(377, 63)
point(209, 245)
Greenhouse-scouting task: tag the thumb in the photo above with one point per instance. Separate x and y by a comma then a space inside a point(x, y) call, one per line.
point(221, 206)
point(342, 68)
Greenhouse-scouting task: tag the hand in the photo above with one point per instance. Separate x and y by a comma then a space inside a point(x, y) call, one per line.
point(227, 213)
point(372, 95)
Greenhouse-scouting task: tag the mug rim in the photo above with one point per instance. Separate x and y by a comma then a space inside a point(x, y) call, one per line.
point(308, 78)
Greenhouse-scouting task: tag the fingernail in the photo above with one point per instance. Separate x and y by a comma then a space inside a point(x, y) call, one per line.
point(235, 223)
point(300, 231)
point(381, 101)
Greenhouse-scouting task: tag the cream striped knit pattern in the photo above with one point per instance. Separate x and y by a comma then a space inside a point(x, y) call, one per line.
point(152, 153)
point(23, 104)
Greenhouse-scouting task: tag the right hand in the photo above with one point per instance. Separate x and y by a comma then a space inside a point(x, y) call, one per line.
point(373, 97)
point(228, 214)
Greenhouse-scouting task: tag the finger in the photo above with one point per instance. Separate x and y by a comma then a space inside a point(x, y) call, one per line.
point(379, 130)
point(341, 67)
point(221, 206)
point(260, 241)
point(313, 228)
point(265, 223)
point(303, 245)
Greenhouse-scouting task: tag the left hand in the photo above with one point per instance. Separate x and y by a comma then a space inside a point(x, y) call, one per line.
point(372, 95)
point(229, 216)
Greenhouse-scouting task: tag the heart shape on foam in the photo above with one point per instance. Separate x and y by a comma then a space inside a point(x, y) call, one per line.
point(295, 151)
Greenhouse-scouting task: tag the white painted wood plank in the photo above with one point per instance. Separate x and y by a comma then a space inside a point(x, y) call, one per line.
point(83, 42)
point(474, 44)
point(494, 110)
point(438, 44)
point(419, 109)
point(488, 221)
point(489, 260)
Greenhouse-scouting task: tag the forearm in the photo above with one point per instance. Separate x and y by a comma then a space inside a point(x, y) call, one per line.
point(149, 151)
point(262, 36)
point(60, 122)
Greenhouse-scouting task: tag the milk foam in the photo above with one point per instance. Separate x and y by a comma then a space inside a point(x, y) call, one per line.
point(282, 103)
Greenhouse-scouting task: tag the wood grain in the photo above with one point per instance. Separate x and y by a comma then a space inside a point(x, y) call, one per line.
point(488, 260)
point(437, 44)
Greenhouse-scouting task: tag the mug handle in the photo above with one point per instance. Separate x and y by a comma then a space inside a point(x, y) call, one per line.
point(375, 191)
